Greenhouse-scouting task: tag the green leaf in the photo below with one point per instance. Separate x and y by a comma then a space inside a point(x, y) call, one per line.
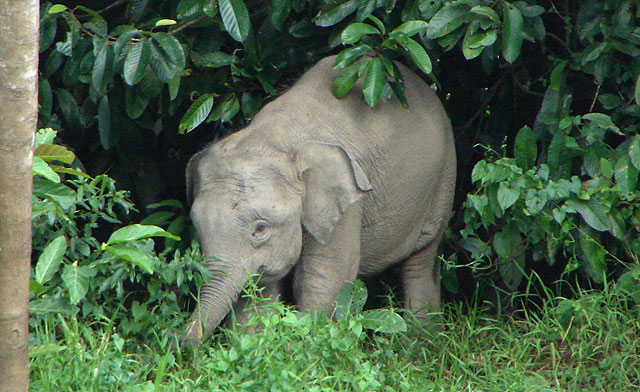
point(57, 8)
point(280, 10)
point(50, 259)
point(167, 56)
point(558, 75)
point(355, 31)
point(351, 300)
point(350, 55)
point(102, 65)
point(45, 136)
point(336, 14)
point(606, 168)
point(483, 39)
point(104, 122)
point(54, 152)
point(41, 168)
point(226, 110)
point(448, 19)
point(593, 213)
point(626, 175)
point(67, 170)
point(507, 196)
point(51, 305)
point(374, 82)
point(469, 38)
point(77, 279)
point(133, 255)
point(525, 149)
point(384, 321)
point(512, 33)
point(235, 18)
point(196, 114)
point(419, 56)
point(508, 246)
point(593, 260)
point(602, 121)
point(165, 22)
point(174, 87)
point(637, 91)
point(634, 151)
point(345, 81)
point(486, 11)
point(136, 232)
point(136, 62)
point(377, 22)
point(409, 28)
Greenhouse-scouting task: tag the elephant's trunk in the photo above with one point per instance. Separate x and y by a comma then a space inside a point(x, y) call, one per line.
point(216, 298)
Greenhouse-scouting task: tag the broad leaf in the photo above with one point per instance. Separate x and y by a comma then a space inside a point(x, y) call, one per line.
point(558, 75)
point(409, 28)
point(487, 12)
point(525, 149)
point(167, 56)
point(507, 196)
point(593, 260)
point(133, 255)
point(104, 122)
point(448, 19)
point(634, 151)
point(383, 320)
point(336, 14)
point(235, 18)
point(196, 114)
point(374, 82)
point(41, 168)
point(51, 305)
point(77, 279)
point(136, 232)
point(626, 175)
point(419, 56)
point(345, 81)
point(512, 33)
point(593, 213)
point(351, 300)
point(50, 260)
point(280, 10)
point(637, 91)
point(136, 62)
point(165, 22)
point(54, 152)
point(355, 31)
point(350, 55)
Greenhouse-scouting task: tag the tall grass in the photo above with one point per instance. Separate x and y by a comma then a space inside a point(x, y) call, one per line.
point(589, 343)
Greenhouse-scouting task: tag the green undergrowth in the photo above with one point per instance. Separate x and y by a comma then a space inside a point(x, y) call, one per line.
point(588, 343)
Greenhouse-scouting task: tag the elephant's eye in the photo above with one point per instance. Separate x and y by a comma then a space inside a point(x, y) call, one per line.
point(260, 233)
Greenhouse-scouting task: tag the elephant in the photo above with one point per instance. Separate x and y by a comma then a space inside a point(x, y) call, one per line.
point(328, 188)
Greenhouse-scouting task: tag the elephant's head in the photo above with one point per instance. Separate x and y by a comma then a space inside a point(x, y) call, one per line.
point(250, 205)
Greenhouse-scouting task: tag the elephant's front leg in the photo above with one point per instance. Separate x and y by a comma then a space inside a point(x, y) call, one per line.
point(323, 269)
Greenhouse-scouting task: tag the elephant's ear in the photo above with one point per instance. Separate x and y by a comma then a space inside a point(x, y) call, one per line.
point(191, 173)
point(333, 180)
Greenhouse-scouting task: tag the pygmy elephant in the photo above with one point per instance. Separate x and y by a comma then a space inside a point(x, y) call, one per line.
point(329, 188)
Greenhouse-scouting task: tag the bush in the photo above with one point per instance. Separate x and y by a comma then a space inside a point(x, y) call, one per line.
point(77, 272)
point(543, 98)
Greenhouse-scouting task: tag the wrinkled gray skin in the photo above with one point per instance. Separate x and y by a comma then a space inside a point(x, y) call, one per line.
point(328, 187)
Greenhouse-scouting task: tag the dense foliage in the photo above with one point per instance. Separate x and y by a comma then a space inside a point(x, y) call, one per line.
point(543, 97)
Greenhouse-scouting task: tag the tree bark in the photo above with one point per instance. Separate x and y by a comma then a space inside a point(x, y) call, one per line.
point(19, 23)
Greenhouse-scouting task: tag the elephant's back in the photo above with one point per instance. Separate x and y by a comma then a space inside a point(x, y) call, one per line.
point(404, 151)
point(407, 153)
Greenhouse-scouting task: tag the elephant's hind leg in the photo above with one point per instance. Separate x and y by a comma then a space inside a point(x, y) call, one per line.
point(421, 281)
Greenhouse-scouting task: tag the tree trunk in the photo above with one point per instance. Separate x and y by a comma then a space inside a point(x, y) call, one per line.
point(19, 23)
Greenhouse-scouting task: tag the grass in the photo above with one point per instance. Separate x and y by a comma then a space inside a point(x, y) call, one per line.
point(589, 343)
